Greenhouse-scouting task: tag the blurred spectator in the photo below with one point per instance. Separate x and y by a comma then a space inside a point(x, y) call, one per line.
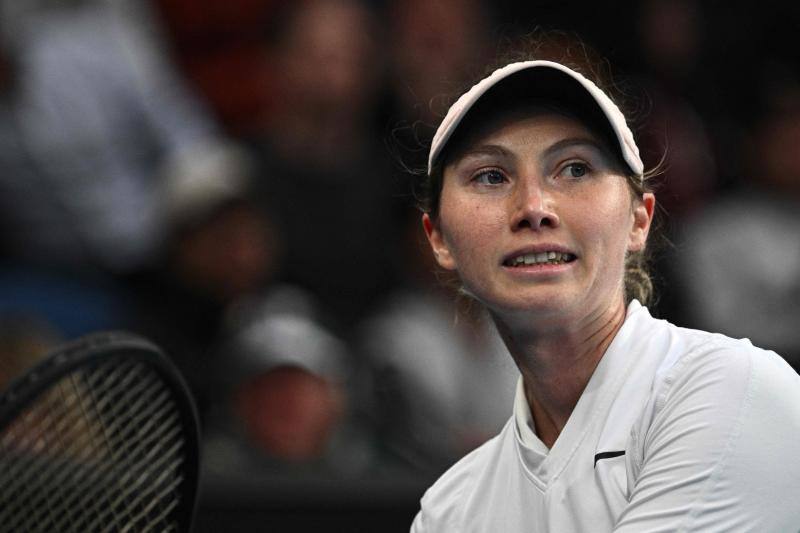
point(289, 413)
point(674, 137)
point(221, 245)
point(269, 379)
point(94, 115)
point(671, 34)
point(323, 166)
point(91, 119)
point(740, 264)
point(434, 50)
point(219, 45)
point(37, 300)
point(288, 379)
point(220, 250)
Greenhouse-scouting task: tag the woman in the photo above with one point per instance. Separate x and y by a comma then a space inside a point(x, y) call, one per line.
point(621, 422)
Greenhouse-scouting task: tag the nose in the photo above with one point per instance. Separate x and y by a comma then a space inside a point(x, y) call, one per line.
point(532, 207)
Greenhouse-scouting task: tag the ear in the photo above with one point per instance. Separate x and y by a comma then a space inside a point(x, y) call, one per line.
point(440, 250)
point(642, 218)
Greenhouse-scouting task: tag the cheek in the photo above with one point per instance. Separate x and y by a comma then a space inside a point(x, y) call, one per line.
point(470, 231)
point(607, 222)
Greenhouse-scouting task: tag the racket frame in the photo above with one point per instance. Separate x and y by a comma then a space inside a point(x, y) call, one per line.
point(104, 348)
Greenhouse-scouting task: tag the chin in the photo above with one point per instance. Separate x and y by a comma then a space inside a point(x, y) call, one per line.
point(539, 302)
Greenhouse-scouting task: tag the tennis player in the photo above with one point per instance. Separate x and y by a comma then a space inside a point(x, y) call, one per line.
point(539, 201)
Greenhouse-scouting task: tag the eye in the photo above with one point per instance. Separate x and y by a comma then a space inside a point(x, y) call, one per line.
point(489, 177)
point(576, 170)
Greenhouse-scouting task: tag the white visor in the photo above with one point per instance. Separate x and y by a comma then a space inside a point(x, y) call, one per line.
point(614, 117)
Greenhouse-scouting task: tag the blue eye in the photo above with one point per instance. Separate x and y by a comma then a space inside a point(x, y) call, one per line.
point(490, 177)
point(577, 170)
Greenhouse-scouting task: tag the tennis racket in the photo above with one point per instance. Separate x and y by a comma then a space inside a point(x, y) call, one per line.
point(99, 436)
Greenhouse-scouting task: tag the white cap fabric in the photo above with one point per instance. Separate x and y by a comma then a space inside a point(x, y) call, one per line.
point(616, 120)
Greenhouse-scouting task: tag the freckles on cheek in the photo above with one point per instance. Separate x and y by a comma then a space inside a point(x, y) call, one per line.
point(611, 211)
point(472, 220)
point(469, 230)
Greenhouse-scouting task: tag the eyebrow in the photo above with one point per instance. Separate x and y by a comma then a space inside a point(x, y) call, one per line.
point(495, 150)
point(575, 141)
point(486, 149)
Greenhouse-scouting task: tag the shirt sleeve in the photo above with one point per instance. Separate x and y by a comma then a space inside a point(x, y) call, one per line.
point(418, 526)
point(717, 450)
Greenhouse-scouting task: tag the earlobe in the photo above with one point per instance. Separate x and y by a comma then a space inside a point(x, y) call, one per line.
point(642, 218)
point(440, 250)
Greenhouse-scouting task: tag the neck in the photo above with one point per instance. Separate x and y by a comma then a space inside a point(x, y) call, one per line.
point(557, 363)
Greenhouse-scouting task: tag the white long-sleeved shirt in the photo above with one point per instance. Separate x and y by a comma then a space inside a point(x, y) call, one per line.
point(677, 430)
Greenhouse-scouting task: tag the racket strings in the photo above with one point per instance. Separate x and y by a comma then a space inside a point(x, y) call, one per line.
point(101, 450)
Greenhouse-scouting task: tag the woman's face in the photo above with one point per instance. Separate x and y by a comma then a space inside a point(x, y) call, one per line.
point(536, 216)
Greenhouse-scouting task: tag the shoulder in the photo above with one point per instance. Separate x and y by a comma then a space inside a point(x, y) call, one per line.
point(716, 440)
point(713, 359)
point(443, 505)
point(713, 387)
point(723, 375)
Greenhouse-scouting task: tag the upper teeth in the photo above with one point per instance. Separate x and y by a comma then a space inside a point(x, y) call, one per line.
point(541, 257)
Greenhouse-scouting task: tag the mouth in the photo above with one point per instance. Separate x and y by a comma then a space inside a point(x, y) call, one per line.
point(539, 258)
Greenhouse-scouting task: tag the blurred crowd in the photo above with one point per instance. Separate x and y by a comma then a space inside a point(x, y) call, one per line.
point(233, 180)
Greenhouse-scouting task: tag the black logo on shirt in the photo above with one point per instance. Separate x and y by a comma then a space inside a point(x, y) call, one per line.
point(607, 455)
